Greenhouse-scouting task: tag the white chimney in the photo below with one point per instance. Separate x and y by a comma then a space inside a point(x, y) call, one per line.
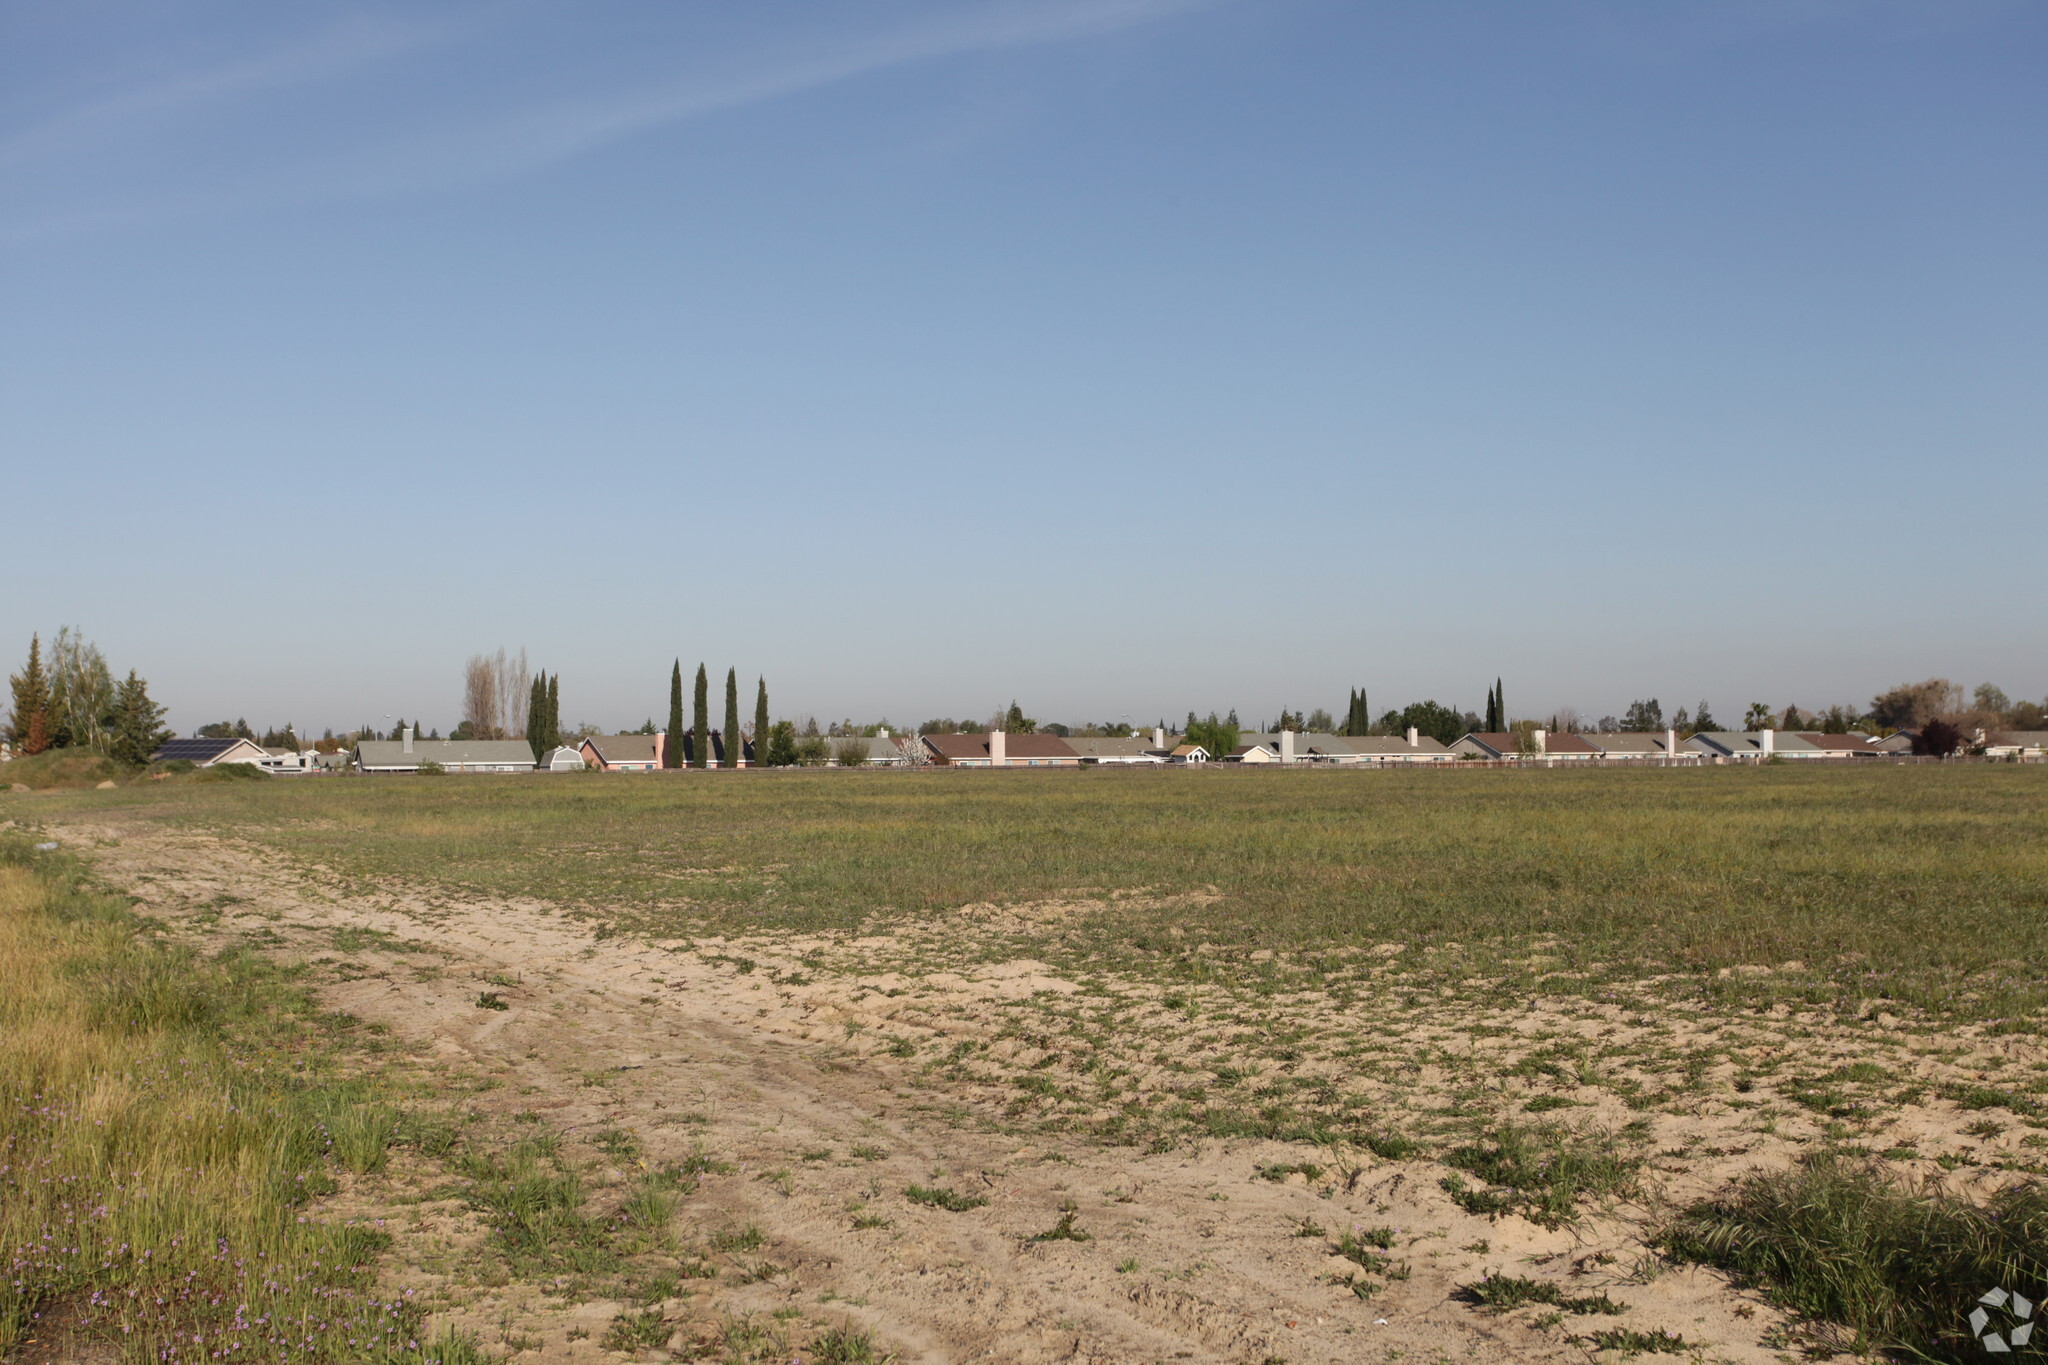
point(1670, 744)
point(661, 748)
point(410, 730)
point(1287, 746)
point(1542, 739)
point(882, 731)
point(997, 757)
point(1158, 738)
point(1414, 737)
point(1768, 742)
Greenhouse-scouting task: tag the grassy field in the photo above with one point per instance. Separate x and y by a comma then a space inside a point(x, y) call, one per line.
point(1774, 1011)
point(1922, 886)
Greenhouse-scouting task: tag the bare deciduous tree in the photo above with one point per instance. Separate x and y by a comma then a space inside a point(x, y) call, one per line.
point(480, 697)
point(496, 691)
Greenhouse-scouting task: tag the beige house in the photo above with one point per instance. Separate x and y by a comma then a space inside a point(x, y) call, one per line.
point(999, 750)
point(624, 753)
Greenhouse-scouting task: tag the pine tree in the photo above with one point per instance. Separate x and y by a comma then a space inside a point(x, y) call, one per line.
point(138, 723)
point(761, 723)
point(31, 726)
point(734, 745)
point(672, 755)
point(700, 741)
point(554, 710)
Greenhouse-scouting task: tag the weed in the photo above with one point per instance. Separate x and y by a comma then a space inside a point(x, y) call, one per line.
point(1064, 1231)
point(848, 1346)
point(1545, 1171)
point(1504, 1293)
point(939, 1197)
point(748, 1238)
point(1631, 1342)
point(636, 1331)
point(491, 1000)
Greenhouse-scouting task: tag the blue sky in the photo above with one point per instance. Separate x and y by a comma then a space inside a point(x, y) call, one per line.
point(1118, 356)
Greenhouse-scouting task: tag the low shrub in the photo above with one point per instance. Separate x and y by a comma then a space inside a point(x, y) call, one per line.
point(1896, 1265)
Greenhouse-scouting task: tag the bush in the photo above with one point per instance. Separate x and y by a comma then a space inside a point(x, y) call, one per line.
point(429, 768)
point(851, 752)
point(229, 772)
point(1839, 1240)
point(54, 768)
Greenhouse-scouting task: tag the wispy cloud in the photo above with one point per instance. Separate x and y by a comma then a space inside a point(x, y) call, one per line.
point(511, 137)
point(528, 139)
point(330, 54)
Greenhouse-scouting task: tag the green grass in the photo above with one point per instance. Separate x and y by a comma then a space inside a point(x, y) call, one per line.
point(1505, 1293)
point(939, 1197)
point(1920, 886)
point(1839, 1240)
point(167, 1123)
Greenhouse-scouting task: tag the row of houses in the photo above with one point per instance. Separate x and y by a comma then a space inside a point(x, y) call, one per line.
point(645, 753)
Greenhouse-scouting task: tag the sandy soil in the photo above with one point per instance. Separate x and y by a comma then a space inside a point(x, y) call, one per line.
point(691, 1053)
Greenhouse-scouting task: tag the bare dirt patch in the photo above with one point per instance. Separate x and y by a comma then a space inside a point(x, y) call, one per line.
point(833, 1073)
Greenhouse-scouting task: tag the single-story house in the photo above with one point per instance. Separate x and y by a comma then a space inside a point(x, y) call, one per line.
point(453, 755)
point(2016, 744)
point(1187, 753)
point(1545, 744)
point(1854, 744)
point(1643, 744)
point(998, 750)
point(1898, 742)
point(288, 762)
point(884, 750)
point(1252, 753)
point(563, 759)
point(208, 753)
point(623, 753)
point(1117, 748)
point(1382, 750)
point(1752, 746)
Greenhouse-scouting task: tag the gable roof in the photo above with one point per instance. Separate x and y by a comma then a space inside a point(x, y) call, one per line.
point(1751, 741)
point(390, 753)
point(1377, 746)
point(1855, 742)
point(1121, 746)
point(624, 748)
point(205, 751)
point(1628, 742)
point(1554, 742)
point(970, 747)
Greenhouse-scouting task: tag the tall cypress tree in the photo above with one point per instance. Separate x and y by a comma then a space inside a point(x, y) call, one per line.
point(1500, 704)
point(537, 715)
point(700, 742)
point(761, 724)
point(734, 745)
point(672, 756)
point(554, 710)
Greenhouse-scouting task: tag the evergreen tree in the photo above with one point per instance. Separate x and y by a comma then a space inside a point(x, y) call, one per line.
point(138, 723)
point(1703, 719)
point(537, 716)
point(700, 741)
point(761, 722)
point(30, 725)
point(734, 745)
point(1500, 705)
point(672, 755)
point(555, 709)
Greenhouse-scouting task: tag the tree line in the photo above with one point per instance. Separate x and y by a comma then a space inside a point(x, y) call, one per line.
point(73, 702)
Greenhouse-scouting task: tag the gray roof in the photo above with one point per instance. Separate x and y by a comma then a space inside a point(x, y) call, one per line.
point(449, 753)
point(1308, 743)
point(1378, 746)
point(1119, 746)
point(1627, 743)
point(1751, 742)
point(2025, 739)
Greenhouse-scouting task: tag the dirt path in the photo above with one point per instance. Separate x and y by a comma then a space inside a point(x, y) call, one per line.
point(1190, 1256)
